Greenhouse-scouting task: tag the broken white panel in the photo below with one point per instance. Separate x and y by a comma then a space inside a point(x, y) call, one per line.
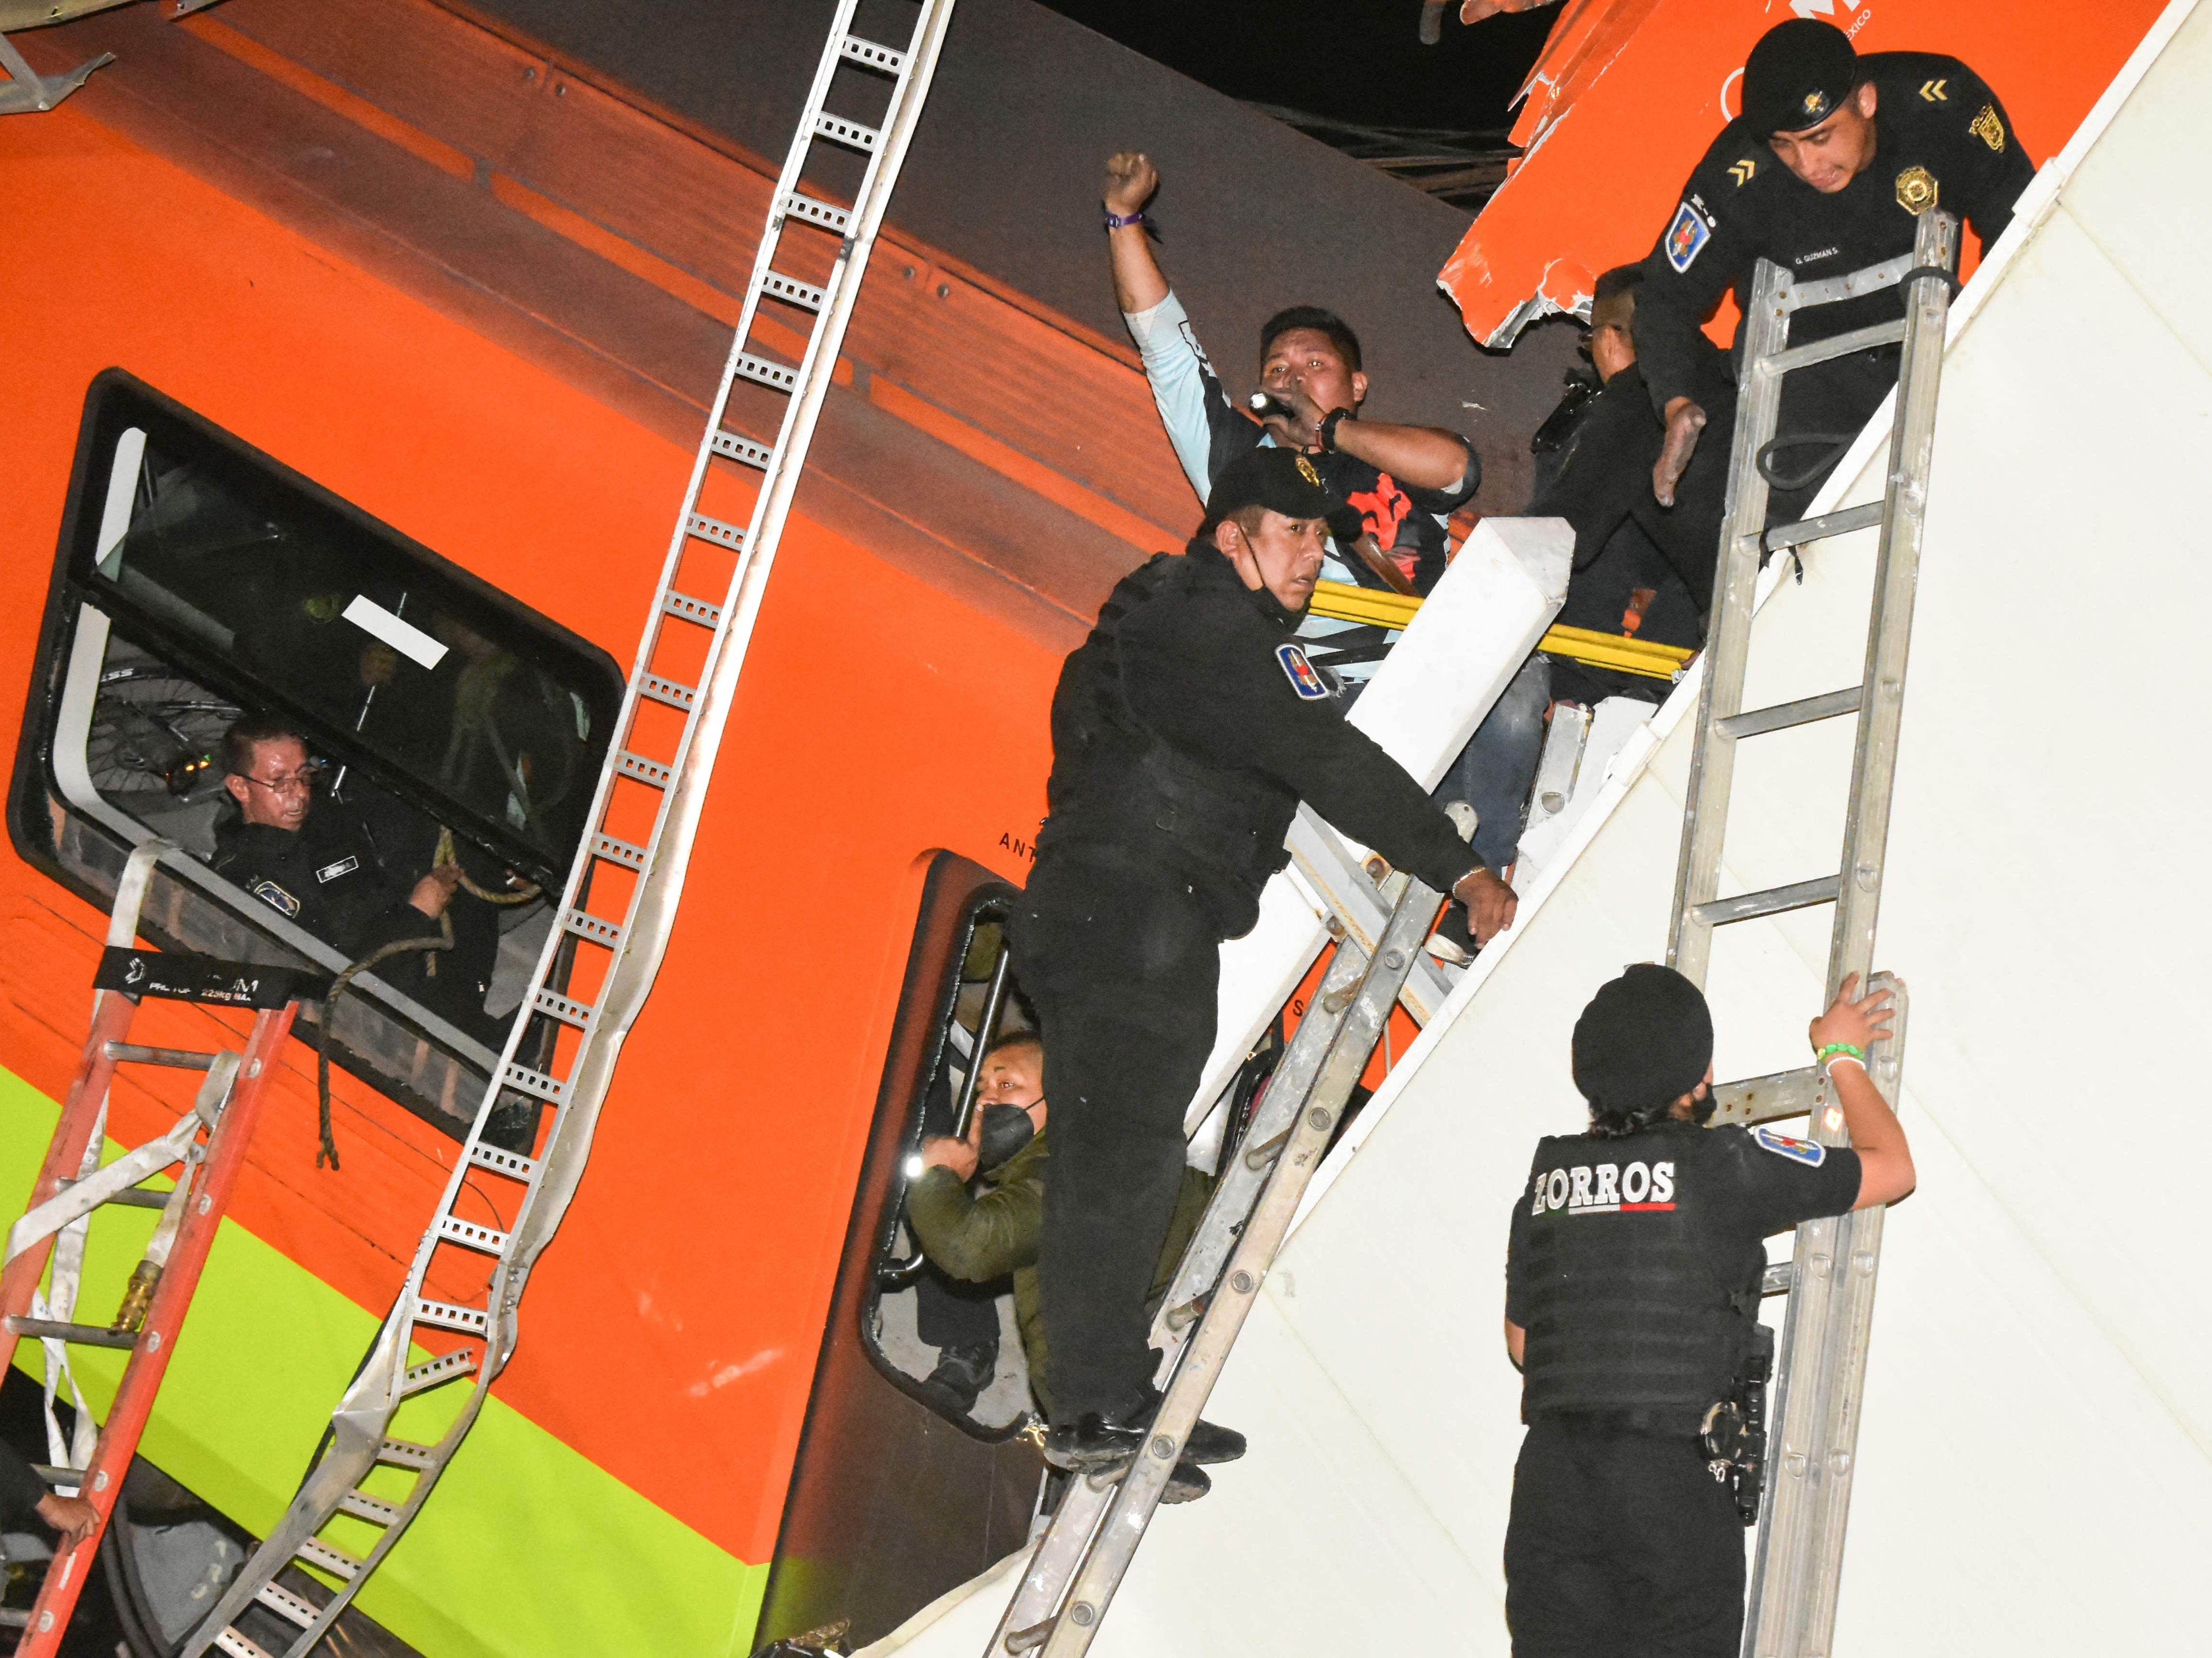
point(403, 636)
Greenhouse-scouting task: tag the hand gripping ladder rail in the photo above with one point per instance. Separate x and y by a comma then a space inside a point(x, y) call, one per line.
point(1829, 1280)
point(1076, 1566)
point(207, 1146)
point(670, 757)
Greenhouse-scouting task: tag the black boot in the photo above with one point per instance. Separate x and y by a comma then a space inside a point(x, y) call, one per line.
point(1093, 1441)
point(963, 1373)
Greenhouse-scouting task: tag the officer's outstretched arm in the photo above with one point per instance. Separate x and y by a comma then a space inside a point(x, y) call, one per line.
point(1886, 1172)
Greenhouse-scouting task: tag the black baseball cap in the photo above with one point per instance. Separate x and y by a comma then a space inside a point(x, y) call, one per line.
point(1797, 76)
point(1283, 481)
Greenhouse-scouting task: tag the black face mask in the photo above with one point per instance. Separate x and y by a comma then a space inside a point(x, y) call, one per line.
point(1702, 1108)
point(1007, 1130)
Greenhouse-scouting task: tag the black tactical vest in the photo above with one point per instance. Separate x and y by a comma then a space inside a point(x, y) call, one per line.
point(1115, 782)
point(1623, 1282)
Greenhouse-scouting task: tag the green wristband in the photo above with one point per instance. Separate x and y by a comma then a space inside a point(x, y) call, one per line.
point(1849, 1050)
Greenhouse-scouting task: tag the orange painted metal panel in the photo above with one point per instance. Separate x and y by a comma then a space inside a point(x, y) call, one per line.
point(1629, 92)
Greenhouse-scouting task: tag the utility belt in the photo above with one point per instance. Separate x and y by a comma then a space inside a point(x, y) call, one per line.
point(1734, 1432)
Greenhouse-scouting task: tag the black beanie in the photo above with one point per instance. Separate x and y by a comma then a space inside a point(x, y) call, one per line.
point(1797, 76)
point(1645, 1040)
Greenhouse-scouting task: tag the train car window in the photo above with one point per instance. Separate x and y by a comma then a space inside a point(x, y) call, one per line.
point(932, 1328)
point(443, 722)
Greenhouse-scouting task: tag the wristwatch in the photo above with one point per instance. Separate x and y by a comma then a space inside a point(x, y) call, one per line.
point(1122, 221)
point(1326, 431)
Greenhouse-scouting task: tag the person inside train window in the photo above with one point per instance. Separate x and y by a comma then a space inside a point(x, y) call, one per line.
point(1640, 569)
point(985, 1234)
point(1405, 480)
point(1826, 171)
point(322, 862)
point(1632, 1274)
point(424, 670)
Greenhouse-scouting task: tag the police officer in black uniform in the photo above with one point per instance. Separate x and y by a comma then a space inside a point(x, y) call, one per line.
point(1825, 172)
point(313, 862)
point(1185, 731)
point(1631, 1303)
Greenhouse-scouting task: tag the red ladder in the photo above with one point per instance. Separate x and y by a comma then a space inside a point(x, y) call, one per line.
point(207, 1146)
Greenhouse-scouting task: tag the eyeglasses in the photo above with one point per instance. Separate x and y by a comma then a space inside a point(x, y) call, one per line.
point(300, 781)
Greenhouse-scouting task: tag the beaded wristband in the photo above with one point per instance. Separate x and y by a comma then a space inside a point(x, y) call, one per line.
point(1828, 1056)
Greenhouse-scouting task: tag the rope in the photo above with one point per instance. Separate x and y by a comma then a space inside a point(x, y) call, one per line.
point(1833, 445)
point(446, 853)
point(382, 953)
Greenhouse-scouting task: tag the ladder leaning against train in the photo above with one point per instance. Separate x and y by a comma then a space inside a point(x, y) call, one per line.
point(625, 884)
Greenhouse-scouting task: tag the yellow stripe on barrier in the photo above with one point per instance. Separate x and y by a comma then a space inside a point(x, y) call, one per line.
point(1342, 602)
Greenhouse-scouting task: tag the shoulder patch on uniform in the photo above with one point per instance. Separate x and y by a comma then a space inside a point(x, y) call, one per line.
point(1933, 90)
point(1989, 127)
point(1743, 171)
point(276, 898)
point(1684, 237)
point(330, 872)
point(1304, 679)
point(1808, 1152)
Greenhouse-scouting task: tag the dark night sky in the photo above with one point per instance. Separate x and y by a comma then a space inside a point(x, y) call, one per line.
point(1357, 60)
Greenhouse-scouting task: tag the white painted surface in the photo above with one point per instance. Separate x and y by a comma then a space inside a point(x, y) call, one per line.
point(2035, 1467)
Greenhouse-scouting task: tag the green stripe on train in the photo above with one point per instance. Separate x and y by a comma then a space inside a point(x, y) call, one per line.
point(528, 1550)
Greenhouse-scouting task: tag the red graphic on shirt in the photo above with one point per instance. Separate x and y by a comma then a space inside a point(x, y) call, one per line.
point(1384, 509)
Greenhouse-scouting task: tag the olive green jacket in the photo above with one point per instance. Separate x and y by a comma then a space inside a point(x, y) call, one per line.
point(981, 1235)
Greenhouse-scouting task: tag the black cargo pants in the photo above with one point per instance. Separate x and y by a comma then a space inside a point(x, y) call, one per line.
point(1621, 1545)
point(1121, 958)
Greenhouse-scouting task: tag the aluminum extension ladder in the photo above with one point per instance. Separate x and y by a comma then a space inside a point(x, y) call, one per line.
point(622, 890)
point(207, 1146)
point(1075, 1567)
point(1830, 1279)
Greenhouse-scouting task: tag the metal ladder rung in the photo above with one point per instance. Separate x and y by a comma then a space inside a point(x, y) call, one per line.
point(234, 1645)
point(1768, 1099)
point(585, 924)
point(793, 291)
point(445, 1315)
point(336, 1562)
point(714, 529)
point(1783, 716)
point(661, 689)
point(523, 1077)
point(512, 1164)
point(470, 1236)
point(83, 1335)
point(130, 1197)
point(177, 1058)
point(1777, 1277)
point(1840, 345)
point(422, 1377)
point(403, 1454)
point(686, 609)
point(1773, 900)
point(869, 55)
point(731, 446)
point(799, 205)
point(567, 1009)
point(286, 1605)
point(618, 852)
point(851, 134)
point(644, 770)
point(374, 1510)
point(1807, 529)
point(761, 372)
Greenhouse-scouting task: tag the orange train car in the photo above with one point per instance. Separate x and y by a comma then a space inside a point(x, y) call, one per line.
point(417, 305)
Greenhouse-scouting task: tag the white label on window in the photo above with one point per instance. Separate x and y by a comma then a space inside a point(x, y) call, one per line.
point(122, 495)
point(410, 641)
